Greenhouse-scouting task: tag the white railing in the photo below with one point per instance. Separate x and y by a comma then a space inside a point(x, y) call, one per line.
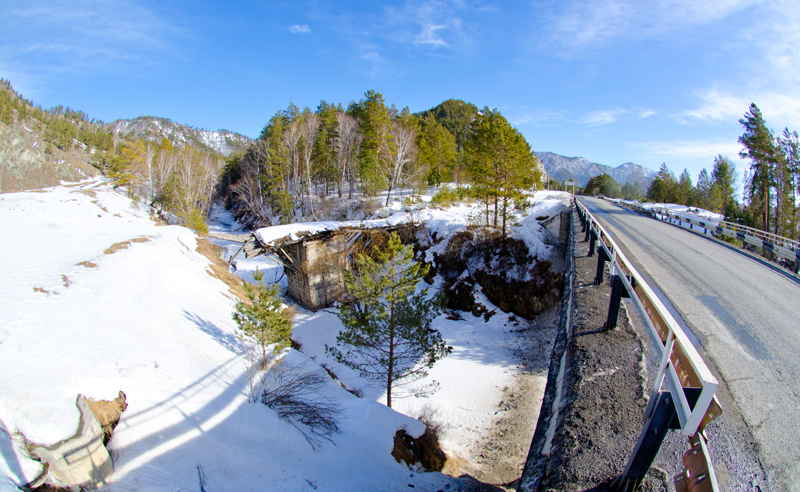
point(782, 247)
point(681, 366)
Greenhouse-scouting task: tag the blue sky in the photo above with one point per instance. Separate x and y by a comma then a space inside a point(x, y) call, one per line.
point(613, 81)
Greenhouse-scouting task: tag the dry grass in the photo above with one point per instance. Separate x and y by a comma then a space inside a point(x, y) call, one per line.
point(97, 202)
point(42, 290)
point(108, 413)
point(124, 245)
point(219, 267)
point(65, 280)
point(87, 264)
point(425, 449)
point(88, 192)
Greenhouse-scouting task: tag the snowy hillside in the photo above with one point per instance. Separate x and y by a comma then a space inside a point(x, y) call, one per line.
point(152, 128)
point(563, 168)
point(97, 298)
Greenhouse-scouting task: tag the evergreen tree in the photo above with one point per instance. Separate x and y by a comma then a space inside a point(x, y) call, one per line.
point(703, 191)
point(759, 146)
point(684, 188)
point(437, 150)
point(377, 142)
point(602, 183)
point(500, 163)
point(662, 188)
point(723, 182)
point(789, 144)
point(387, 335)
point(457, 117)
point(263, 320)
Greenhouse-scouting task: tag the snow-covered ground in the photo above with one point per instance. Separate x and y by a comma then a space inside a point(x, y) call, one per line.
point(146, 317)
point(675, 209)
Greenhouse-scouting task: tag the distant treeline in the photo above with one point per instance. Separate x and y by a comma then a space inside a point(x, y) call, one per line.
point(304, 157)
point(176, 180)
point(771, 183)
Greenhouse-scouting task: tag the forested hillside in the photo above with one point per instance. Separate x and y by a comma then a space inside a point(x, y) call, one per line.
point(306, 164)
point(41, 147)
point(309, 163)
point(175, 171)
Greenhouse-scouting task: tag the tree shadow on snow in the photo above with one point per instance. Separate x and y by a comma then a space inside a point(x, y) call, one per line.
point(227, 340)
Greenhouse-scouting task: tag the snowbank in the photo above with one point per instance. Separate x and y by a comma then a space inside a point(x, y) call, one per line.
point(683, 210)
point(97, 298)
point(79, 316)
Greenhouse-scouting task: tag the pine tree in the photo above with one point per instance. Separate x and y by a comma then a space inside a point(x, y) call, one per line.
point(662, 188)
point(759, 146)
point(683, 190)
point(263, 320)
point(703, 191)
point(387, 335)
point(437, 150)
point(376, 128)
point(723, 182)
point(500, 163)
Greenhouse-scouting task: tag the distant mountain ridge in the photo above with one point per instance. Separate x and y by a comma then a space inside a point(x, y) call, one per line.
point(155, 128)
point(562, 168)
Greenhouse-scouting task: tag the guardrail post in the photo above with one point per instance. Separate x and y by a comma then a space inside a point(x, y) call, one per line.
point(653, 434)
point(588, 228)
point(592, 241)
point(602, 258)
point(618, 291)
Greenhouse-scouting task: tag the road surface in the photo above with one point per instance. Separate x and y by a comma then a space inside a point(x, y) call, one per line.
point(744, 317)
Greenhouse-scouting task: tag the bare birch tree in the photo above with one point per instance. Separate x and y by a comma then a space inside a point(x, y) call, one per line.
point(348, 145)
point(308, 131)
point(402, 153)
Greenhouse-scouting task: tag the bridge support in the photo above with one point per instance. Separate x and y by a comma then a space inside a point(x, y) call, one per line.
point(602, 258)
point(618, 291)
point(655, 430)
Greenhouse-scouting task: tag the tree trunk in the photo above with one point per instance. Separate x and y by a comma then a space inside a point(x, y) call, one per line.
point(390, 369)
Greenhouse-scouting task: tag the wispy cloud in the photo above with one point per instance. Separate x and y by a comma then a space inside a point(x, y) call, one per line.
point(576, 25)
point(63, 36)
point(690, 149)
point(646, 113)
point(385, 38)
point(376, 65)
point(299, 29)
point(602, 117)
point(779, 109)
point(433, 24)
point(429, 36)
point(540, 118)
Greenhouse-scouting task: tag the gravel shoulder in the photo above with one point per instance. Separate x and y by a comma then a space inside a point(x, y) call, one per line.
point(603, 397)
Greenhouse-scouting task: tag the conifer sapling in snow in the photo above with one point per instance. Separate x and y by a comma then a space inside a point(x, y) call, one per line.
point(387, 335)
point(263, 320)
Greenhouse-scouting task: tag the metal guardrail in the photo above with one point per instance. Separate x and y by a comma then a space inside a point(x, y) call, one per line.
point(780, 246)
point(691, 387)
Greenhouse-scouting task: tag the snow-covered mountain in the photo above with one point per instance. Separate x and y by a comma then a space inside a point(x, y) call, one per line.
point(563, 168)
point(154, 128)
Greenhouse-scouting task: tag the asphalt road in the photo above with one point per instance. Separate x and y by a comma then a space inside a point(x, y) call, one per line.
point(745, 320)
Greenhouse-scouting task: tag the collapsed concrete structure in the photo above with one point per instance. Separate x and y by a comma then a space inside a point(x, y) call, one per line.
point(314, 263)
